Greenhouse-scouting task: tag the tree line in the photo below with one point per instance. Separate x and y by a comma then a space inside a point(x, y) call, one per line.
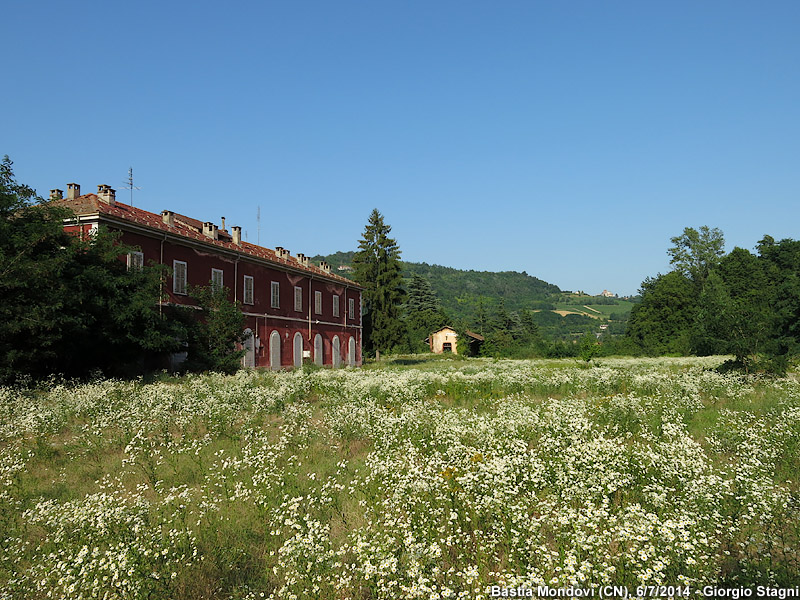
point(741, 303)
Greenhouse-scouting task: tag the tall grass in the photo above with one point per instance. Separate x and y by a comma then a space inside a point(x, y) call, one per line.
point(408, 479)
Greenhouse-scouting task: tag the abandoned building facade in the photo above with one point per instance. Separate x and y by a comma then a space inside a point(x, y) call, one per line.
point(293, 309)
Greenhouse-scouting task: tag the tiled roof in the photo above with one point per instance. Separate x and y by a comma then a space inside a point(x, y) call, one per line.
point(188, 228)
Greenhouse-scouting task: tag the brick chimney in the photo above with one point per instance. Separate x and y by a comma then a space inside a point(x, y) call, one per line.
point(56, 194)
point(73, 191)
point(168, 217)
point(106, 194)
point(325, 266)
point(237, 235)
point(302, 259)
point(282, 252)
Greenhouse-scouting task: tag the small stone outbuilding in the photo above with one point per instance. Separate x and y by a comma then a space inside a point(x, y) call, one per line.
point(446, 340)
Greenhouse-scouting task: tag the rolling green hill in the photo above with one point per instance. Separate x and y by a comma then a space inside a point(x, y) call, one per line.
point(460, 292)
point(465, 295)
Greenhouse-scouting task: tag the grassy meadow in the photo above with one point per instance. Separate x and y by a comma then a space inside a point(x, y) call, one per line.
point(409, 479)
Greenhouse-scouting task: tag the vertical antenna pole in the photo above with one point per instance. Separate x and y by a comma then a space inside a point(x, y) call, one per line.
point(130, 185)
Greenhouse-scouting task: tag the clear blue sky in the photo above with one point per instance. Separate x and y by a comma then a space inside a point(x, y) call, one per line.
point(567, 139)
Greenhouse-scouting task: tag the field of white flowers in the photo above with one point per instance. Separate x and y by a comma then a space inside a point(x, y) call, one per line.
point(412, 479)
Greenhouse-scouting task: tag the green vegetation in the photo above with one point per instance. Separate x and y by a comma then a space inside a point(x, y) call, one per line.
point(69, 306)
point(423, 313)
point(211, 337)
point(741, 303)
point(497, 304)
point(376, 267)
point(408, 478)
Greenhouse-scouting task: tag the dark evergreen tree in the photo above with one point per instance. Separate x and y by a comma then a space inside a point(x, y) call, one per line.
point(376, 267)
point(423, 313)
point(420, 297)
point(530, 330)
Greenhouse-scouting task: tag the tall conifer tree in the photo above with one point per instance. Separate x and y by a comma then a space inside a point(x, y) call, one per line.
point(376, 267)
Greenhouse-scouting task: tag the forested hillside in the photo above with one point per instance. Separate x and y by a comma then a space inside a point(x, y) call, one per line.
point(463, 294)
point(504, 305)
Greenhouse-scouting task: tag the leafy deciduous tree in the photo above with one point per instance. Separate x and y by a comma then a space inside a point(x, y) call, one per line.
point(211, 340)
point(662, 322)
point(695, 253)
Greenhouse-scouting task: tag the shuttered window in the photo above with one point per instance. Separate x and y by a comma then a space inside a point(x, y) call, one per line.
point(135, 261)
point(298, 298)
point(179, 276)
point(217, 279)
point(248, 289)
point(318, 303)
point(351, 308)
point(275, 295)
point(335, 305)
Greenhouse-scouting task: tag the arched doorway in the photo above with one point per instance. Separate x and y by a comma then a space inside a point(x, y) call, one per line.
point(337, 352)
point(351, 352)
point(249, 343)
point(318, 355)
point(298, 350)
point(275, 351)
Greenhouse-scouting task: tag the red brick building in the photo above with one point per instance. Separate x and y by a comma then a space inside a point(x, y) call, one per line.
point(293, 309)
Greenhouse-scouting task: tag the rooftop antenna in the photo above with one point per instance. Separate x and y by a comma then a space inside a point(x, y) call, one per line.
point(258, 222)
point(130, 185)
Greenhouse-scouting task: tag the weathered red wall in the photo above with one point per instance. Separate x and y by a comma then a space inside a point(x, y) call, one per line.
point(199, 264)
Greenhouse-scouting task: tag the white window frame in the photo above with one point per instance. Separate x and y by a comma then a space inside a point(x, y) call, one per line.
point(248, 288)
point(275, 294)
point(180, 284)
point(135, 260)
point(336, 305)
point(298, 298)
point(318, 303)
point(217, 274)
point(351, 308)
